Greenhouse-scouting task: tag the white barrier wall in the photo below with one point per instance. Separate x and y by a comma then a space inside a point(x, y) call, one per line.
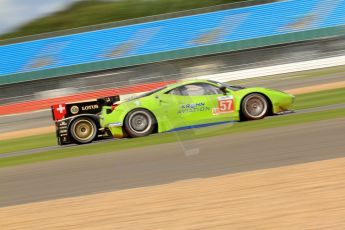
point(277, 69)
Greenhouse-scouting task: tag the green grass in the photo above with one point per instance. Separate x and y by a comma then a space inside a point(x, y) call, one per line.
point(322, 98)
point(114, 146)
point(26, 143)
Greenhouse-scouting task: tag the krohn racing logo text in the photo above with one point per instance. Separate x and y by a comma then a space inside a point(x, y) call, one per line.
point(193, 108)
point(89, 107)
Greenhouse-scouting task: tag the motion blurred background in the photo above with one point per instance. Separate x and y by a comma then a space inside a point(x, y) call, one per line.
point(71, 50)
point(283, 172)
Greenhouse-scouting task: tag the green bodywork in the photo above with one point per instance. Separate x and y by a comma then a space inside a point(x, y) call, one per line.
point(174, 112)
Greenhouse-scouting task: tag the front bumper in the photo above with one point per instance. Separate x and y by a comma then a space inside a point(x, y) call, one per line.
point(116, 129)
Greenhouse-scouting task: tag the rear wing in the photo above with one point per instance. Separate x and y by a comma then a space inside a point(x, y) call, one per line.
point(66, 110)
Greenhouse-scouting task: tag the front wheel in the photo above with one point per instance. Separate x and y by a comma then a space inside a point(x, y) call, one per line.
point(139, 122)
point(83, 130)
point(254, 106)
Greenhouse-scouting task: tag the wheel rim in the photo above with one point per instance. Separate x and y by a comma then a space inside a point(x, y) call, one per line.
point(140, 122)
point(83, 130)
point(256, 107)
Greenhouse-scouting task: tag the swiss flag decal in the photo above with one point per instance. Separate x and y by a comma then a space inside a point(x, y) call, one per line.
point(59, 111)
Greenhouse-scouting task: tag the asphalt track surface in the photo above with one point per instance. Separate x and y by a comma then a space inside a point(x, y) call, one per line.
point(291, 81)
point(161, 164)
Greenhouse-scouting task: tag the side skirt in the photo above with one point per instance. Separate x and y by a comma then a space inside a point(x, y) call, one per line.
point(201, 125)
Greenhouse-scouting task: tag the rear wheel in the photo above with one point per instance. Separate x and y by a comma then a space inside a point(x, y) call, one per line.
point(254, 106)
point(139, 122)
point(83, 130)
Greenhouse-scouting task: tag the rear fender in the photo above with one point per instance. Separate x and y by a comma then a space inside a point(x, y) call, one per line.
point(158, 121)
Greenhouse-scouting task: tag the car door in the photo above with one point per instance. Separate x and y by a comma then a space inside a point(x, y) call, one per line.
point(197, 104)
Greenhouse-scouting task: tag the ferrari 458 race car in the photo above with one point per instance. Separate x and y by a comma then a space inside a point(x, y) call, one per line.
point(185, 104)
point(191, 103)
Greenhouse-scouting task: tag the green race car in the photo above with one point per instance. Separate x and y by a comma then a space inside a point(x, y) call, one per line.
point(193, 103)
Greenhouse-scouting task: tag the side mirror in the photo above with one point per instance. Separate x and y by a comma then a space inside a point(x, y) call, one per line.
point(223, 89)
point(158, 98)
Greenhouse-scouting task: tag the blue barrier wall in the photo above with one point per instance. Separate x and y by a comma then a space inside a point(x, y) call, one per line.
point(178, 34)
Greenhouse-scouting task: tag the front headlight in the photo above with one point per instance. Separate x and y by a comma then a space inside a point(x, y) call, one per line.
point(292, 98)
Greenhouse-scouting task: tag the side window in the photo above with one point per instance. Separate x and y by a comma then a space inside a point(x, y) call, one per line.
point(211, 89)
point(176, 91)
point(196, 89)
point(192, 90)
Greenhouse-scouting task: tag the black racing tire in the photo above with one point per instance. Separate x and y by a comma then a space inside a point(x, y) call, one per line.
point(83, 130)
point(254, 106)
point(139, 123)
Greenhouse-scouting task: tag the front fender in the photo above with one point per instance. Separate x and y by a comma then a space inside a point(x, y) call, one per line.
point(278, 100)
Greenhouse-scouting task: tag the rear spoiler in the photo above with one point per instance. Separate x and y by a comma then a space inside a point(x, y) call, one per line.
point(66, 110)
